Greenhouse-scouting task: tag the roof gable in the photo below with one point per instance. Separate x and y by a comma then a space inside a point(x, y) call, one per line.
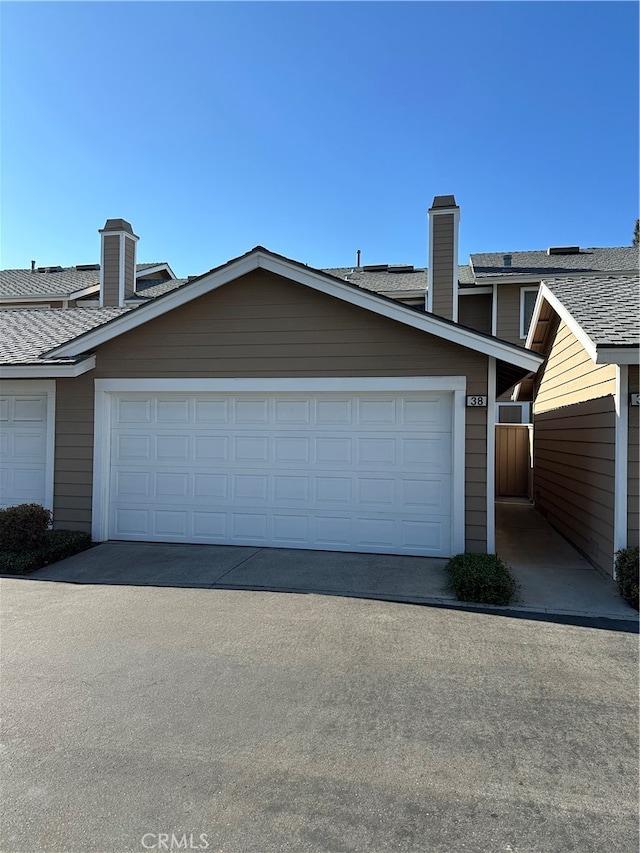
point(261, 258)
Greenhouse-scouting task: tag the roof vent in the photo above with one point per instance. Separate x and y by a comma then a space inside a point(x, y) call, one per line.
point(49, 269)
point(563, 250)
point(400, 268)
point(87, 267)
point(191, 277)
point(376, 268)
point(506, 261)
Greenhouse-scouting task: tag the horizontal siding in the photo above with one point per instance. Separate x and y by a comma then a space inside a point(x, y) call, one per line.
point(633, 462)
point(475, 312)
point(508, 313)
point(111, 261)
point(265, 326)
point(442, 262)
point(574, 474)
point(570, 376)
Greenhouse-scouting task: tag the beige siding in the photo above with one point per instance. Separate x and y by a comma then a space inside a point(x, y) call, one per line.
point(508, 313)
point(111, 260)
point(570, 376)
point(633, 509)
point(574, 474)
point(265, 326)
point(442, 261)
point(475, 312)
point(129, 267)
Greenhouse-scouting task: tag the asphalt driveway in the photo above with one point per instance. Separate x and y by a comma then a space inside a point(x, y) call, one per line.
point(254, 722)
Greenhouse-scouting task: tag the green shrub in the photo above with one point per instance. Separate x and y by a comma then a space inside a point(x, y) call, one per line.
point(627, 575)
point(23, 527)
point(57, 545)
point(481, 578)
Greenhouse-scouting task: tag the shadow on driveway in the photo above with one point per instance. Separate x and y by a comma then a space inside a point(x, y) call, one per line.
point(410, 580)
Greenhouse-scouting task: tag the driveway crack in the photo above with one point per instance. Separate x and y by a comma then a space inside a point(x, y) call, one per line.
point(233, 568)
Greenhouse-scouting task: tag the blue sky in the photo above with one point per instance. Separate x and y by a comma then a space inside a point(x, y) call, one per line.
point(315, 129)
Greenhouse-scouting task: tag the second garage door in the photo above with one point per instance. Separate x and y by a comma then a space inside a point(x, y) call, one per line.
point(366, 472)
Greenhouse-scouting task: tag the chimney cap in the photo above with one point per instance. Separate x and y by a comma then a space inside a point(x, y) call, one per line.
point(441, 202)
point(117, 225)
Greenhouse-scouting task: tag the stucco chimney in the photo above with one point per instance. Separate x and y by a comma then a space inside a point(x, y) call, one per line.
point(442, 278)
point(117, 262)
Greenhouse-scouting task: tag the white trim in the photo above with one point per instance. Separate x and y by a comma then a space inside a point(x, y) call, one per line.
point(454, 283)
point(491, 456)
point(523, 290)
point(95, 288)
point(107, 389)
point(44, 371)
point(429, 307)
point(258, 259)
point(618, 355)
point(47, 387)
point(494, 310)
point(620, 521)
point(157, 268)
point(84, 291)
point(564, 315)
point(121, 271)
point(473, 290)
point(101, 276)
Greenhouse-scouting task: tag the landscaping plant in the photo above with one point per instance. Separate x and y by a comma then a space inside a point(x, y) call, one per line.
point(627, 575)
point(27, 543)
point(481, 578)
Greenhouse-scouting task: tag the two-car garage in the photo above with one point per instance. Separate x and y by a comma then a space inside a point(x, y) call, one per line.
point(369, 471)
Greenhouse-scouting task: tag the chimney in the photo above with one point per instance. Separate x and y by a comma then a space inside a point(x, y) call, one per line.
point(117, 262)
point(442, 277)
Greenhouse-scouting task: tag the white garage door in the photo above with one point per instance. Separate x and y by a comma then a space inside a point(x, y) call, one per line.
point(23, 449)
point(328, 471)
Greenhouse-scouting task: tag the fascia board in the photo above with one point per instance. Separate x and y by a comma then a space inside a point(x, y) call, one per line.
point(85, 291)
point(46, 371)
point(158, 268)
point(474, 290)
point(317, 281)
point(564, 315)
point(618, 355)
point(41, 297)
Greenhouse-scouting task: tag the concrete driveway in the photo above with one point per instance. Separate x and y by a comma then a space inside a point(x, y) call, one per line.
point(556, 583)
point(252, 722)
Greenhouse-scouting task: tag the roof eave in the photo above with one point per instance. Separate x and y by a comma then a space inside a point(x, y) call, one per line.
point(47, 371)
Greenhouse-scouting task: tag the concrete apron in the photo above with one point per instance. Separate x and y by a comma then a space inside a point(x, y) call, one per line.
point(553, 577)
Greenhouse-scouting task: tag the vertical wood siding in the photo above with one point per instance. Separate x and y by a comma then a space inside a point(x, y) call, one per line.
point(570, 376)
point(265, 326)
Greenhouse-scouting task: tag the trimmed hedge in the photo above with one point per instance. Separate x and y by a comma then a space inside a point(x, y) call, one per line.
point(627, 575)
point(23, 527)
point(57, 545)
point(481, 578)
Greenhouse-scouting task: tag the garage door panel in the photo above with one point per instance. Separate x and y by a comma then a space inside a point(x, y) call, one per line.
point(23, 449)
point(321, 471)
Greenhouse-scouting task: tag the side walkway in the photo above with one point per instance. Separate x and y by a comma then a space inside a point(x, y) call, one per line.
point(553, 576)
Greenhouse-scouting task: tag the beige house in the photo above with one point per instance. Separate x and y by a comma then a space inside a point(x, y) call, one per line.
point(586, 411)
point(262, 403)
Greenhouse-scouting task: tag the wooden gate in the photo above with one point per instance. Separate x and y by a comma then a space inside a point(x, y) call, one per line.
point(513, 460)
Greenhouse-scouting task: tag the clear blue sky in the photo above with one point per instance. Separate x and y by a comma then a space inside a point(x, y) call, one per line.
point(315, 129)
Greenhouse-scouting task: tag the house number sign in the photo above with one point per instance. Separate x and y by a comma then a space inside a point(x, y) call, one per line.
point(476, 401)
point(635, 399)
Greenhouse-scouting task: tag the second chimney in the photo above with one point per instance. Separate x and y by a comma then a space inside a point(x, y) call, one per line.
point(442, 276)
point(117, 262)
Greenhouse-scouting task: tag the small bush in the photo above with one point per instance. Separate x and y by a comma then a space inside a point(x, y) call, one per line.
point(627, 575)
point(23, 527)
point(481, 578)
point(57, 545)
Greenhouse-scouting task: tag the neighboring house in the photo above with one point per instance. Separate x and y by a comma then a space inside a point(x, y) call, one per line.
point(262, 403)
point(586, 411)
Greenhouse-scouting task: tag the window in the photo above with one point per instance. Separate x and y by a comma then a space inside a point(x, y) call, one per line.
point(513, 413)
point(528, 296)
